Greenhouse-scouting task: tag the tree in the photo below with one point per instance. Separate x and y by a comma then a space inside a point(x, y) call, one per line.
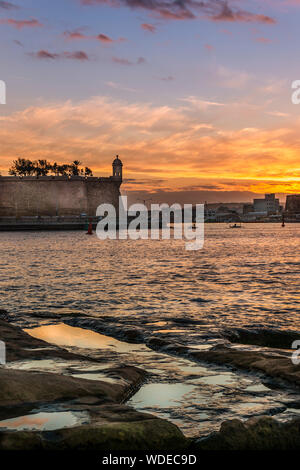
point(74, 168)
point(42, 167)
point(22, 167)
point(54, 168)
point(88, 172)
point(62, 170)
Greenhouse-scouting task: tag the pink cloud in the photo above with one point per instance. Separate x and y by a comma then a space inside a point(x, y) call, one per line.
point(215, 10)
point(104, 38)
point(148, 27)
point(77, 34)
point(121, 61)
point(20, 24)
point(263, 40)
point(8, 6)
point(209, 47)
point(44, 54)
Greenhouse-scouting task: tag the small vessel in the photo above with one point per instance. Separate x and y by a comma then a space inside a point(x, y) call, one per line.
point(236, 225)
point(283, 223)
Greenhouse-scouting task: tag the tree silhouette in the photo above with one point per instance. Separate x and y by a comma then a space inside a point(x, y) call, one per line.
point(74, 168)
point(22, 167)
point(25, 167)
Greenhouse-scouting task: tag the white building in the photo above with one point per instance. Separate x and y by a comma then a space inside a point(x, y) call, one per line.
point(268, 205)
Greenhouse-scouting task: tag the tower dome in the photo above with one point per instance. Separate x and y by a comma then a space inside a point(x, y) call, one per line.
point(117, 167)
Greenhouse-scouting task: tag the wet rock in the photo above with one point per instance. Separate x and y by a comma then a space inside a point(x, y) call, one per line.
point(262, 337)
point(131, 374)
point(274, 366)
point(112, 425)
point(260, 433)
point(19, 387)
point(20, 345)
point(149, 433)
point(156, 343)
point(130, 334)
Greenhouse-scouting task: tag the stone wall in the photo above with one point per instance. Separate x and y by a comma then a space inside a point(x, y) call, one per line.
point(55, 195)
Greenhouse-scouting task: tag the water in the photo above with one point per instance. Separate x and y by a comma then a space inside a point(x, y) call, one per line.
point(45, 421)
point(65, 335)
point(198, 398)
point(241, 277)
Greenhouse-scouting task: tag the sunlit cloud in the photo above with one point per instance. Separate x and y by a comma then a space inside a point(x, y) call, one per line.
point(173, 144)
point(78, 34)
point(199, 103)
point(277, 114)
point(148, 27)
point(8, 5)
point(122, 61)
point(20, 24)
point(263, 40)
point(46, 55)
point(214, 10)
point(119, 86)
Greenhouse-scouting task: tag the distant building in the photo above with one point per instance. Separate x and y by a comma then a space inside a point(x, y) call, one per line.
point(292, 205)
point(269, 205)
point(248, 208)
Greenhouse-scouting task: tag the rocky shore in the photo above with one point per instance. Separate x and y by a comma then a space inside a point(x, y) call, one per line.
point(100, 418)
point(109, 424)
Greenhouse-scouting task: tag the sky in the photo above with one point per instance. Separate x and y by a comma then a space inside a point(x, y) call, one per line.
point(195, 96)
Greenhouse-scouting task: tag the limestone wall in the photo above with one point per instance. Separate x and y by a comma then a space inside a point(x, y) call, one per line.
point(31, 196)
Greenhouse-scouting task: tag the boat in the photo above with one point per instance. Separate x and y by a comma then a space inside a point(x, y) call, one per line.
point(236, 225)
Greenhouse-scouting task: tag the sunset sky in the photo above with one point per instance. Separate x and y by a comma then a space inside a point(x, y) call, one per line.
point(195, 96)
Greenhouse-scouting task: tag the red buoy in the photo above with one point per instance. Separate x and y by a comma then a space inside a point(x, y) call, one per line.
point(90, 229)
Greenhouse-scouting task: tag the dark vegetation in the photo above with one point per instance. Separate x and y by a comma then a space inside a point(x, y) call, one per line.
point(24, 167)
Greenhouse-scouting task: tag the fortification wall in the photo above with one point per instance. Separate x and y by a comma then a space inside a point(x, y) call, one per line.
point(30, 196)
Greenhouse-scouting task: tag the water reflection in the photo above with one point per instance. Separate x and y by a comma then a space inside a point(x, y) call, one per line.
point(65, 335)
point(45, 421)
point(239, 275)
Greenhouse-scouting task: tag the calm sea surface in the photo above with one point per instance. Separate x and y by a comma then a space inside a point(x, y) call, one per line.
point(247, 277)
point(244, 277)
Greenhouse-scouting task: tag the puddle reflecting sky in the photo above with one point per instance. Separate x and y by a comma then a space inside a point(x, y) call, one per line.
point(45, 421)
point(65, 335)
point(196, 397)
point(160, 395)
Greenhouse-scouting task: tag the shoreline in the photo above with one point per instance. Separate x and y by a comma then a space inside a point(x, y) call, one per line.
point(22, 347)
point(23, 392)
point(60, 223)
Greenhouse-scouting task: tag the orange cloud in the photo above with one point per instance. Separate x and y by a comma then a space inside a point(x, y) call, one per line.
point(162, 146)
